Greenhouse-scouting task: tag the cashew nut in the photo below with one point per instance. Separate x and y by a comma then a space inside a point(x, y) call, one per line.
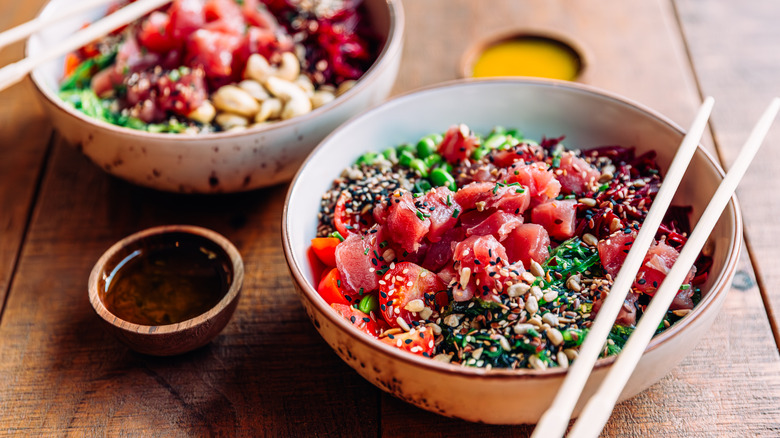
point(320, 98)
point(269, 109)
point(345, 86)
point(235, 100)
point(255, 89)
point(289, 67)
point(204, 113)
point(296, 102)
point(229, 121)
point(304, 82)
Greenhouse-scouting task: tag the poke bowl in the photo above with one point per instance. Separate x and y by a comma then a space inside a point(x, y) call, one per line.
point(496, 354)
point(215, 96)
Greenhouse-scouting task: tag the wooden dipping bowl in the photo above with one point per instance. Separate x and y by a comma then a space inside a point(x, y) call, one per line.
point(184, 336)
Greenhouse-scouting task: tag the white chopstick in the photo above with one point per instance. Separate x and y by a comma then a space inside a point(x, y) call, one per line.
point(15, 72)
point(596, 413)
point(25, 29)
point(554, 421)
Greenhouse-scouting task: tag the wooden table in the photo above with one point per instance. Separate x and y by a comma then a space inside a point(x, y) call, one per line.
point(269, 373)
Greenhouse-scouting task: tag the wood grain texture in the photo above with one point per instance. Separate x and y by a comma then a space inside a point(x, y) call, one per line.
point(21, 154)
point(734, 48)
point(268, 373)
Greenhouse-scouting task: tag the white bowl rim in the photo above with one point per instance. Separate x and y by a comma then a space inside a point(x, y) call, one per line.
point(393, 44)
point(720, 286)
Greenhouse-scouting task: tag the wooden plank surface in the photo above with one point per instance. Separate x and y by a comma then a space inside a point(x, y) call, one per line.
point(735, 49)
point(660, 77)
point(21, 154)
point(269, 373)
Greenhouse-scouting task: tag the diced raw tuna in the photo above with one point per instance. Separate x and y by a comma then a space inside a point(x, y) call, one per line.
point(458, 144)
point(613, 251)
point(627, 314)
point(558, 217)
point(512, 199)
point(527, 242)
point(499, 224)
point(353, 260)
point(656, 265)
point(537, 178)
point(439, 254)
point(440, 204)
point(575, 174)
point(405, 225)
point(480, 260)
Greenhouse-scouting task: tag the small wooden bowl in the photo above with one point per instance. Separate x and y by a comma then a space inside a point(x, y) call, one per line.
point(170, 339)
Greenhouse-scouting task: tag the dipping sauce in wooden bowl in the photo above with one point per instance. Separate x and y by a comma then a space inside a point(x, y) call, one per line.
point(524, 54)
point(167, 290)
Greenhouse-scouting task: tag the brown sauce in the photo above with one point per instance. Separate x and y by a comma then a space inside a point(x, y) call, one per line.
point(167, 283)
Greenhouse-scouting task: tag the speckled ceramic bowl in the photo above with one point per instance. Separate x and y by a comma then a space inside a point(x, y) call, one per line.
point(589, 118)
point(221, 162)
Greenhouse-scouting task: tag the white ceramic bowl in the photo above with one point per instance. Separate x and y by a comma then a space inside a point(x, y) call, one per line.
point(589, 118)
point(220, 162)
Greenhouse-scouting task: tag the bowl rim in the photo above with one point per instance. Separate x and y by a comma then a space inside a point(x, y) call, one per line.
point(393, 45)
point(719, 287)
point(230, 296)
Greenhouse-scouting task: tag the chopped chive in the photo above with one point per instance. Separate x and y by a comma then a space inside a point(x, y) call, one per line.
point(455, 213)
point(337, 235)
point(365, 252)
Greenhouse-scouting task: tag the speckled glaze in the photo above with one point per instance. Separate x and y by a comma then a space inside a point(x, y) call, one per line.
point(220, 162)
point(589, 118)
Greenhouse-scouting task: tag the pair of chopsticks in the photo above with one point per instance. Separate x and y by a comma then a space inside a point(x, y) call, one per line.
point(15, 72)
point(599, 408)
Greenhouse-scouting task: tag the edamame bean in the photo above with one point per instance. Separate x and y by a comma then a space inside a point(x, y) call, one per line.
point(479, 153)
point(406, 147)
point(447, 167)
point(368, 304)
point(405, 158)
point(432, 159)
point(390, 155)
point(440, 177)
point(367, 158)
point(426, 147)
point(420, 166)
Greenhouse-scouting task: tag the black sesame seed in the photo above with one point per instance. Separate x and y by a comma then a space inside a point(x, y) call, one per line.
point(353, 319)
point(408, 341)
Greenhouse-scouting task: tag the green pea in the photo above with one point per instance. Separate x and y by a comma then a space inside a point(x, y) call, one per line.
point(479, 153)
point(426, 147)
point(390, 155)
point(368, 304)
point(367, 158)
point(420, 166)
point(406, 147)
point(440, 177)
point(433, 159)
point(405, 158)
point(422, 186)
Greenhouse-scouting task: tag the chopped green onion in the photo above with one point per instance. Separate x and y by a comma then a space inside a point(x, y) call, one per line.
point(337, 235)
point(455, 213)
point(368, 304)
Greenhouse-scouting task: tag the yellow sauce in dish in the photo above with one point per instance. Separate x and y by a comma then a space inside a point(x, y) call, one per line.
point(528, 56)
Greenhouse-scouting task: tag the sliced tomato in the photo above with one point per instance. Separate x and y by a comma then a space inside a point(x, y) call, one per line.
point(325, 248)
point(404, 283)
point(359, 319)
point(317, 267)
point(71, 62)
point(458, 144)
point(417, 340)
point(154, 34)
point(348, 223)
point(331, 288)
